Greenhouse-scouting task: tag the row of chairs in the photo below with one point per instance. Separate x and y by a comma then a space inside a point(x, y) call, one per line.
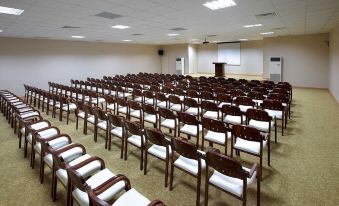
point(85, 177)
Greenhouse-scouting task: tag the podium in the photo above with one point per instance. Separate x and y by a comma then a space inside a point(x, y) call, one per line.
point(219, 69)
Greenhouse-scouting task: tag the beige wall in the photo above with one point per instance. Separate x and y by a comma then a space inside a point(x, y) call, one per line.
point(171, 52)
point(192, 58)
point(334, 63)
point(305, 59)
point(36, 62)
point(251, 57)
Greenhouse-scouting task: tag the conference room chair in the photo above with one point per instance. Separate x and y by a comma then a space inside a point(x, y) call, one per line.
point(158, 146)
point(208, 95)
point(65, 105)
point(210, 110)
point(148, 98)
point(89, 118)
point(224, 99)
point(276, 110)
point(101, 122)
point(150, 115)
point(191, 126)
point(231, 115)
point(248, 140)
point(121, 107)
point(193, 94)
point(134, 110)
point(186, 158)
point(286, 102)
point(180, 93)
point(161, 101)
point(191, 106)
point(137, 95)
point(117, 129)
point(168, 119)
point(45, 146)
point(110, 103)
point(235, 93)
point(135, 136)
point(175, 103)
point(215, 131)
point(168, 89)
point(99, 180)
point(130, 197)
point(244, 103)
point(257, 98)
point(122, 92)
point(230, 176)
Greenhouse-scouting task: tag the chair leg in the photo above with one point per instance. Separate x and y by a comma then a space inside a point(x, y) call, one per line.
point(275, 130)
point(260, 168)
point(141, 158)
point(171, 176)
point(206, 193)
point(42, 169)
point(258, 192)
point(166, 172)
point(145, 163)
point(268, 153)
point(198, 189)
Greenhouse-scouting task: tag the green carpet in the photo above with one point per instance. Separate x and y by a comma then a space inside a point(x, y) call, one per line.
point(304, 171)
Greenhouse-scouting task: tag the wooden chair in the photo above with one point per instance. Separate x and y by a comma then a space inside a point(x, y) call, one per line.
point(150, 115)
point(231, 115)
point(276, 110)
point(148, 98)
point(224, 99)
point(122, 107)
point(135, 136)
point(161, 101)
point(217, 133)
point(101, 122)
point(249, 140)
point(117, 128)
point(134, 110)
point(191, 126)
point(160, 149)
point(244, 103)
point(191, 106)
point(209, 110)
point(230, 176)
point(189, 160)
point(175, 103)
point(170, 120)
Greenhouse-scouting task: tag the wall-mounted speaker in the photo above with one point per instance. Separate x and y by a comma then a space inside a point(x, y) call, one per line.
point(160, 52)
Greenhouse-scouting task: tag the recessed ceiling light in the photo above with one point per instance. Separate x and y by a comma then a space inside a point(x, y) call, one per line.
point(252, 25)
point(267, 33)
point(219, 4)
point(127, 40)
point(7, 10)
point(78, 37)
point(0, 30)
point(173, 34)
point(242, 39)
point(120, 27)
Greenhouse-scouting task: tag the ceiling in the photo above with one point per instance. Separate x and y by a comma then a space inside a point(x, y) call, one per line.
point(154, 18)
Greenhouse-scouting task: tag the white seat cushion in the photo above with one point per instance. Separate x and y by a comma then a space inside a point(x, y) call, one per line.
point(190, 129)
point(232, 119)
point(81, 115)
point(117, 131)
point(176, 107)
point(169, 123)
point(244, 108)
point(135, 113)
point(138, 99)
point(217, 137)
point(96, 180)
point(103, 125)
point(230, 184)
point(224, 103)
point(135, 140)
point(149, 101)
point(28, 114)
point(192, 111)
point(274, 113)
point(71, 106)
point(131, 197)
point(122, 110)
point(159, 151)
point(249, 146)
point(260, 125)
point(211, 115)
point(189, 165)
point(150, 118)
point(111, 106)
point(161, 104)
point(91, 119)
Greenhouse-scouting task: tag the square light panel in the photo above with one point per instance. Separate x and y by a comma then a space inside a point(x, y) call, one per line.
point(120, 27)
point(8, 10)
point(252, 25)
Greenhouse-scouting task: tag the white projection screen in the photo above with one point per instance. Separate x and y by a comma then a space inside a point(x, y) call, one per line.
point(229, 53)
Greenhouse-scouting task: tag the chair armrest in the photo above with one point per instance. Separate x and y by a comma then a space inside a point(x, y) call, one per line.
point(47, 140)
point(253, 169)
point(110, 182)
point(68, 147)
point(87, 161)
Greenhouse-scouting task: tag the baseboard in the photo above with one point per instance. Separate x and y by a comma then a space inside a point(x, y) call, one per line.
point(335, 99)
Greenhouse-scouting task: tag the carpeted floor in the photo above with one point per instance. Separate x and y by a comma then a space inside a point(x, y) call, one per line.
point(304, 171)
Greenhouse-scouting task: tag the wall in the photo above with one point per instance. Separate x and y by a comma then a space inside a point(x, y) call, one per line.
point(251, 56)
point(334, 63)
point(171, 52)
point(192, 58)
point(305, 59)
point(35, 62)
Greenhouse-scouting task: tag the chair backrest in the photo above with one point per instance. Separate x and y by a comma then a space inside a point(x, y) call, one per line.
point(134, 105)
point(244, 101)
point(225, 165)
point(155, 136)
point(174, 99)
point(209, 106)
point(160, 96)
point(231, 110)
point(149, 109)
point(206, 95)
point(247, 133)
point(116, 120)
point(100, 114)
point(121, 102)
point(189, 102)
point(134, 128)
point(188, 119)
point(222, 97)
point(167, 113)
point(185, 148)
point(148, 94)
point(257, 114)
point(272, 105)
point(214, 125)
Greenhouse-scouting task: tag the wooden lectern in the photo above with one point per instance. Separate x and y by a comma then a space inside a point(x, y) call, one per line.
point(219, 69)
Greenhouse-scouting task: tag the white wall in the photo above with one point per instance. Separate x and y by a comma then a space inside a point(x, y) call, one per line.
point(251, 57)
point(305, 59)
point(192, 58)
point(171, 52)
point(334, 63)
point(35, 62)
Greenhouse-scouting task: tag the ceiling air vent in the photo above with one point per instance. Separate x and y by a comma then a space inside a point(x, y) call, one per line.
point(278, 28)
point(108, 15)
point(178, 29)
point(70, 27)
point(211, 35)
point(266, 15)
point(137, 34)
